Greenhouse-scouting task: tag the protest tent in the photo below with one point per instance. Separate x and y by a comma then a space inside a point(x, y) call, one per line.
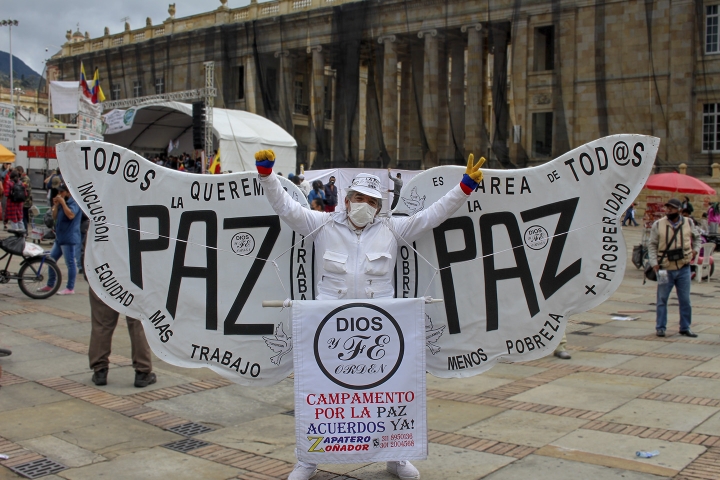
point(237, 135)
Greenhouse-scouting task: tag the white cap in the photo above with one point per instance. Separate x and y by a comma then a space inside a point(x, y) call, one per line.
point(366, 184)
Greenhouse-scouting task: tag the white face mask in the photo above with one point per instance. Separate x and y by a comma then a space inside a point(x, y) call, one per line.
point(361, 213)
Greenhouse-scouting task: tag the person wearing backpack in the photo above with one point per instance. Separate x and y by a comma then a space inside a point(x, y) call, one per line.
point(16, 197)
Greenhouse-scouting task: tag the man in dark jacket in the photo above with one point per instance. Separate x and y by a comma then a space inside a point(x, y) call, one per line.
point(331, 195)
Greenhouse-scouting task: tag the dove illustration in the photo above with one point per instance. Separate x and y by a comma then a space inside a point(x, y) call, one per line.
point(281, 344)
point(432, 335)
point(415, 203)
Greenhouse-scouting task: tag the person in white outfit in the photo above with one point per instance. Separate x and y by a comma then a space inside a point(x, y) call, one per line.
point(356, 249)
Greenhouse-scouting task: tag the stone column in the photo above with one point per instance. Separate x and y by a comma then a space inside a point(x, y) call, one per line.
point(680, 97)
point(444, 140)
point(430, 95)
point(317, 97)
point(474, 78)
point(285, 90)
point(389, 97)
point(457, 94)
point(408, 113)
point(251, 88)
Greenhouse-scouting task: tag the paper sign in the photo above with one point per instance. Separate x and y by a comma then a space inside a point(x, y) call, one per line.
point(359, 380)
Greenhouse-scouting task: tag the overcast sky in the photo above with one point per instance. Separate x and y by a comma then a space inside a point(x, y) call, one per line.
point(43, 23)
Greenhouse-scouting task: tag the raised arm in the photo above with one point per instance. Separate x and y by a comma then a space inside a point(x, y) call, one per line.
point(412, 227)
point(301, 220)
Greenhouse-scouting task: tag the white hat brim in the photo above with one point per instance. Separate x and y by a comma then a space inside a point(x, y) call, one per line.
point(370, 192)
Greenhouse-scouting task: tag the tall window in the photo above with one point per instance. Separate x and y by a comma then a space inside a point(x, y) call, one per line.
point(544, 48)
point(711, 127)
point(115, 92)
point(159, 85)
point(711, 29)
point(241, 82)
point(137, 89)
point(542, 134)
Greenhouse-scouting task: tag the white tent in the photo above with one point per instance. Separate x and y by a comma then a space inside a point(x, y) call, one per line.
point(237, 135)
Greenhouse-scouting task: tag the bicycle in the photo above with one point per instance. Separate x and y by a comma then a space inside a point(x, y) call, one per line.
point(35, 265)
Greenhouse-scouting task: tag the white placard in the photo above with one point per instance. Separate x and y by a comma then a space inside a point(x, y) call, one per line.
point(184, 253)
point(359, 380)
point(7, 126)
point(119, 120)
point(528, 249)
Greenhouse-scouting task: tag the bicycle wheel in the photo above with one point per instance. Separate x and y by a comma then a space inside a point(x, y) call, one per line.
point(4, 352)
point(33, 275)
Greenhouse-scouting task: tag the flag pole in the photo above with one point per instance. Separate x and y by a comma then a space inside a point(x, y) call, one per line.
point(202, 156)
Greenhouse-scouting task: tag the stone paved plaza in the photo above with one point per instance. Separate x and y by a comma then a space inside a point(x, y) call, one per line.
point(624, 390)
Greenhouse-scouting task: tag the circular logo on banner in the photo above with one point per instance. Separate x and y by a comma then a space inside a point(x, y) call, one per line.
point(242, 243)
point(536, 237)
point(359, 346)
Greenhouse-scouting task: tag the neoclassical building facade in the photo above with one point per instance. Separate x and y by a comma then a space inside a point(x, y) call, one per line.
point(425, 82)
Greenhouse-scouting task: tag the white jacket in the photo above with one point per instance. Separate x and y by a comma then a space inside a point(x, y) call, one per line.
point(349, 265)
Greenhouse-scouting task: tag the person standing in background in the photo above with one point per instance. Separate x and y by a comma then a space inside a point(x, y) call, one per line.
point(713, 217)
point(396, 189)
point(331, 195)
point(67, 216)
point(14, 210)
point(28, 200)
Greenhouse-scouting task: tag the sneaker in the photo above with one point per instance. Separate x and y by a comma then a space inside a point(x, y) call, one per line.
point(45, 289)
point(403, 469)
point(142, 380)
point(660, 332)
point(302, 472)
point(100, 377)
point(67, 291)
point(563, 355)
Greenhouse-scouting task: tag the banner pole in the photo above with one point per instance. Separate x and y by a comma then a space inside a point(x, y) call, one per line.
point(281, 303)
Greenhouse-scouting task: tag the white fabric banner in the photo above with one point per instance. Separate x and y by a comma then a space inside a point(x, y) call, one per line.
point(530, 248)
point(187, 255)
point(64, 97)
point(359, 380)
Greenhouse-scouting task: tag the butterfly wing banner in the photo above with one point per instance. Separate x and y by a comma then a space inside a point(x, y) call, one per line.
point(529, 248)
point(192, 256)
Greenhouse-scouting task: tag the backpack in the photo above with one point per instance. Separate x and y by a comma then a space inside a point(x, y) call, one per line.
point(48, 219)
point(18, 192)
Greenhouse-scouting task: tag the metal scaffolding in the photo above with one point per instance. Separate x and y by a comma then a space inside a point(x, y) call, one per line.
point(207, 95)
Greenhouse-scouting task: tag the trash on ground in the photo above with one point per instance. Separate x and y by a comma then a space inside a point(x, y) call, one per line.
point(642, 454)
point(3, 457)
point(625, 318)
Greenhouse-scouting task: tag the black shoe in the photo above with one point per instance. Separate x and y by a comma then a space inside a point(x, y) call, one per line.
point(689, 333)
point(142, 380)
point(660, 333)
point(100, 377)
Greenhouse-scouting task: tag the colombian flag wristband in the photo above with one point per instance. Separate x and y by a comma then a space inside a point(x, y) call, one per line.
point(264, 167)
point(467, 184)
